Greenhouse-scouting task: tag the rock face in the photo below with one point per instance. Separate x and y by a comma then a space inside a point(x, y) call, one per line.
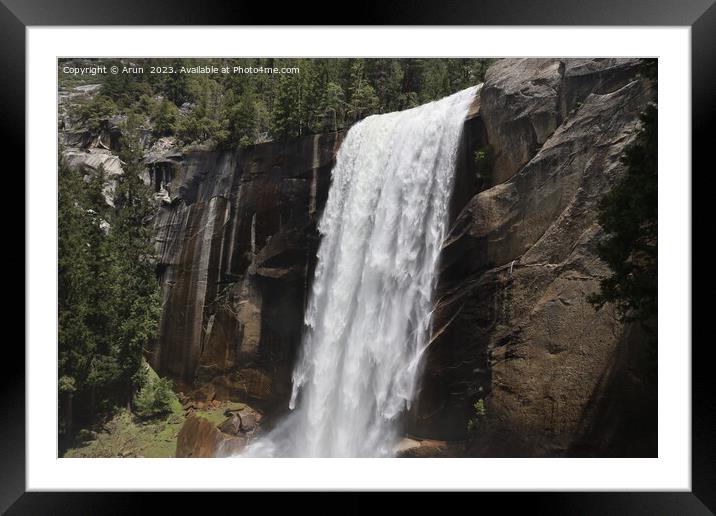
point(237, 242)
point(512, 325)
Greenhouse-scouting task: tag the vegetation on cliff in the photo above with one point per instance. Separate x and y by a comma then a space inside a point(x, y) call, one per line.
point(239, 109)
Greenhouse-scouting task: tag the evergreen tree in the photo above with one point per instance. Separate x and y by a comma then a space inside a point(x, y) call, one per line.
point(166, 119)
point(176, 85)
point(287, 116)
point(130, 239)
point(95, 114)
point(628, 215)
point(413, 75)
point(79, 238)
point(108, 295)
point(435, 83)
point(242, 120)
point(208, 120)
point(333, 109)
point(393, 98)
point(363, 99)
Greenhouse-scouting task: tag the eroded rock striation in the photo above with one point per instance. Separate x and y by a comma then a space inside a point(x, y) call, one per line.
point(237, 241)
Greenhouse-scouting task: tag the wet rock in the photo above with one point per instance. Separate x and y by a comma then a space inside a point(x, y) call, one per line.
point(247, 383)
point(199, 438)
point(520, 107)
point(249, 421)
point(232, 425)
point(206, 393)
point(413, 448)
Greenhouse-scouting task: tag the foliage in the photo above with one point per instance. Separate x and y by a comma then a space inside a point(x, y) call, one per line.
point(480, 414)
point(123, 435)
point(333, 108)
point(243, 120)
point(289, 114)
point(108, 295)
point(234, 110)
point(66, 384)
point(166, 119)
point(96, 112)
point(176, 86)
point(155, 399)
point(82, 258)
point(628, 215)
point(208, 118)
point(125, 88)
point(484, 160)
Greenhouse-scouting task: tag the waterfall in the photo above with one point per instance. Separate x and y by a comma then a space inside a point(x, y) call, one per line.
point(368, 319)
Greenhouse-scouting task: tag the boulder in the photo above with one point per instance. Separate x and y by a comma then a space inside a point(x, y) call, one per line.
point(199, 438)
point(413, 448)
point(232, 425)
point(249, 421)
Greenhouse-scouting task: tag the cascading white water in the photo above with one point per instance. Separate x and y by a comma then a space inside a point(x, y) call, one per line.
point(368, 319)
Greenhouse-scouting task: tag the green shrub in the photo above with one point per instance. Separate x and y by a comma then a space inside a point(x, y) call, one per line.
point(484, 159)
point(66, 384)
point(155, 399)
point(480, 413)
point(97, 112)
point(166, 119)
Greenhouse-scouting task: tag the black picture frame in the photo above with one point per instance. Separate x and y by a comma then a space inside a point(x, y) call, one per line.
point(700, 15)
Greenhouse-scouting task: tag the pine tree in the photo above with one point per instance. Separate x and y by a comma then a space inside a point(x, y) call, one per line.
point(79, 237)
point(130, 238)
point(363, 99)
point(166, 119)
point(108, 294)
point(176, 85)
point(628, 215)
point(333, 108)
point(242, 120)
point(287, 116)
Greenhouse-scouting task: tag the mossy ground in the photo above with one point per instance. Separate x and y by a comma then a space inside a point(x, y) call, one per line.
point(216, 415)
point(125, 436)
